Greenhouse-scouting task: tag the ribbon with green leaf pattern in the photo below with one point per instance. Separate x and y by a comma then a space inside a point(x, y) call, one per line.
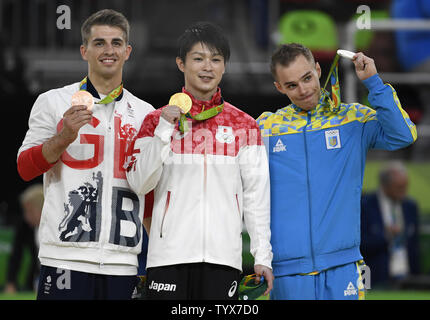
point(115, 93)
point(333, 76)
point(204, 115)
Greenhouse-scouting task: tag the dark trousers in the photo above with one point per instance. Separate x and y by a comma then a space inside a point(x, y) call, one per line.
point(62, 284)
point(193, 281)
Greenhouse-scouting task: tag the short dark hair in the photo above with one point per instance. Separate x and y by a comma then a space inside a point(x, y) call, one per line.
point(206, 33)
point(287, 53)
point(105, 17)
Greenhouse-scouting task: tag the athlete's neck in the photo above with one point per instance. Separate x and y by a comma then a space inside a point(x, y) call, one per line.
point(199, 95)
point(104, 85)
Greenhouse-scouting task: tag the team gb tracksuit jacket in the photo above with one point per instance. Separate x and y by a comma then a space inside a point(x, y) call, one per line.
point(91, 219)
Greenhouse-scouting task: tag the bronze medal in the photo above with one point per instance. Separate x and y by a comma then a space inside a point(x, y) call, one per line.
point(83, 98)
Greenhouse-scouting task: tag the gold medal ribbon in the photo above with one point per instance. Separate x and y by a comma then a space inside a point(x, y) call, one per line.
point(183, 101)
point(204, 115)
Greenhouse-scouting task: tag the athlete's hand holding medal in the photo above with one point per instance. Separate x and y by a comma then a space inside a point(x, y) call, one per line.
point(79, 114)
point(179, 105)
point(178, 109)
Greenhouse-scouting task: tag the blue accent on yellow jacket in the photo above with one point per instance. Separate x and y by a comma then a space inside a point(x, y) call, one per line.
point(317, 161)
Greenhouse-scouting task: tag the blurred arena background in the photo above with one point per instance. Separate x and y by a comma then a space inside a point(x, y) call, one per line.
point(36, 56)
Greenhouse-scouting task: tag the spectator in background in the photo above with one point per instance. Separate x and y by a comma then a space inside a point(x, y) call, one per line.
point(12, 70)
point(413, 53)
point(389, 228)
point(31, 201)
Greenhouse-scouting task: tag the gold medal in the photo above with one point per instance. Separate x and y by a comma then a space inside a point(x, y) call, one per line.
point(83, 98)
point(181, 100)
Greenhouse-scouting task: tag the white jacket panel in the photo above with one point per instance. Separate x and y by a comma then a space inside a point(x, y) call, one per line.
point(91, 218)
point(205, 183)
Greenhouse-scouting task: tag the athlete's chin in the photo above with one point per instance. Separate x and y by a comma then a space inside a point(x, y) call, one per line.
point(306, 106)
point(207, 88)
point(107, 70)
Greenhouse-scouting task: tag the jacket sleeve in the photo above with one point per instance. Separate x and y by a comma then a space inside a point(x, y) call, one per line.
point(254, 170)
point(30, 160)
point(151, 148)
point(390, 128)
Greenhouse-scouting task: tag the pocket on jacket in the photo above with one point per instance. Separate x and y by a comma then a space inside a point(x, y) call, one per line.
point(166, 209)
point(238, 207)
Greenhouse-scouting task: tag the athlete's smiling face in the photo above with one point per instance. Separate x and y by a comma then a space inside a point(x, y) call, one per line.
point(203, 69)
point(106, 51)
point(300, 82)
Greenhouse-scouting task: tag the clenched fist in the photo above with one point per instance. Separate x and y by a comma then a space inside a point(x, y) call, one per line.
point(73, 119)
point(364, 66)
point(171, 113)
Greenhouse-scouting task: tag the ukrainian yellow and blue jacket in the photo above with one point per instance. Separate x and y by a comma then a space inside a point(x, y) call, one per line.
point(317, 161)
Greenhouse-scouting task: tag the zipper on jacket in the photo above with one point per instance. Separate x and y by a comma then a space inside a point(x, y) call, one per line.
point(109, 157)
point(240, 216)
point(309, 120)
point(205, 178)
point(166, 207)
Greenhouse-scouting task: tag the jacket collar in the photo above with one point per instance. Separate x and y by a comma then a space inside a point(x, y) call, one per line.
point(199, 104)
point(90, 88)
point(322, 104)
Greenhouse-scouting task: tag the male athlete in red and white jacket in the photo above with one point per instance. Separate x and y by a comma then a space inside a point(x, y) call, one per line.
point(205, 180)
